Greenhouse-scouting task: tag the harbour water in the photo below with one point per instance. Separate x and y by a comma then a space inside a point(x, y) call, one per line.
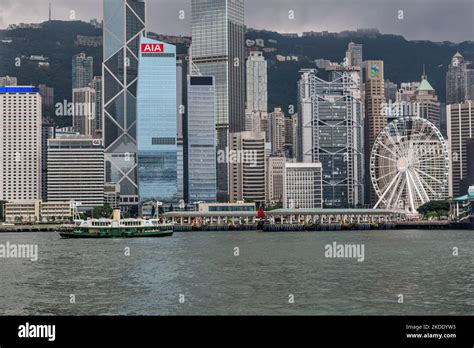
point(242, 273)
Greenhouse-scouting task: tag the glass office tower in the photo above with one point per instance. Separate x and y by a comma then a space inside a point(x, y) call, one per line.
point(218, 50)
point(334, 133)
point(156, 122)
point(124, 24)
point(201, 131)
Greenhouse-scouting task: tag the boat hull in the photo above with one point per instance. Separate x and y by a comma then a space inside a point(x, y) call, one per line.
point(115, 234)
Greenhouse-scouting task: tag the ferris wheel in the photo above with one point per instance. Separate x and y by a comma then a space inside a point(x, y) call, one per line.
point(409, 164)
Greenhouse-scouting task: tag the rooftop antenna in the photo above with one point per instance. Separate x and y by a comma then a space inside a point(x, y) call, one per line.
point(423, 77)
point(50, 12)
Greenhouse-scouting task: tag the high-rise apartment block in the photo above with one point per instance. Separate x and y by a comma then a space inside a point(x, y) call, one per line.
point(257, 94)
point(459, 80)
point(276, 131)
point(354, 55)
point(82, 70)
point(20, 143)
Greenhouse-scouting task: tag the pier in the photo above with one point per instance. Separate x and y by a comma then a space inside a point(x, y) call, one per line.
point(34, 228)
point(284, 216)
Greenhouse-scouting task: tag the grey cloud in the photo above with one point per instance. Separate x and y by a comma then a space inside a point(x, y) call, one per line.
point(436, 20)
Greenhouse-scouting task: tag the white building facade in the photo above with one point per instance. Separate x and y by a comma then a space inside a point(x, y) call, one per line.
point(20, 144)
point(76, 171)
point(302, 187)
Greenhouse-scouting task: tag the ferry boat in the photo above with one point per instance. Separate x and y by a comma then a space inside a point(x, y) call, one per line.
point(118, 228)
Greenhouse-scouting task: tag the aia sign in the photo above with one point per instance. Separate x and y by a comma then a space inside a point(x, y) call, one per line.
point(153, 48)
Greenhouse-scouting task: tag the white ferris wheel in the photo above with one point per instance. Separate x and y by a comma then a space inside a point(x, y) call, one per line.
point(409, 164)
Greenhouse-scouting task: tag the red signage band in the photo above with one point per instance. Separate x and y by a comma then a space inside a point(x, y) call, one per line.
point(153, 48)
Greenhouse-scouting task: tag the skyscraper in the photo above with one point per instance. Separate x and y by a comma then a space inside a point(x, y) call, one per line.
point(82, 70)
point(275, 179)
point(468, 180)
point(201, 140)
point(84, 117)
point(407, 90)
point(460, 131)
point(354, 54)
point(375, 118)
point(416, 99)
point(218, 50)
point(96, 84)
point(305, 115)
point(247, 167)
point(181, 112)
point(156, 122)
point(427, 102)
point(253, 121)
point(124, 24)
point(459, 80)
point(276, 131)
point(48, 131)
point(332, 112)
point(20, 144)
point(257, 95)
point(390, 91)
point(290, 128)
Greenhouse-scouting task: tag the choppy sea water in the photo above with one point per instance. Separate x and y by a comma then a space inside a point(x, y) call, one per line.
point(270, 270)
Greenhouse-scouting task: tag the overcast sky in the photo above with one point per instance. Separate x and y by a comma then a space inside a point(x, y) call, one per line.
point(436, 20)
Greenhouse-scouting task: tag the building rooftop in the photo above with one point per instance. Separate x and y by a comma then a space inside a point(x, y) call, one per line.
point(425, 86)
point(329, 211)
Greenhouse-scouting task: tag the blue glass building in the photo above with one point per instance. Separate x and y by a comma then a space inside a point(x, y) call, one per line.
point(156, 122)
point(201, 133)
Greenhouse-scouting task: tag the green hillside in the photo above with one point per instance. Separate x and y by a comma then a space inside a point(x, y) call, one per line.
point(403, 59)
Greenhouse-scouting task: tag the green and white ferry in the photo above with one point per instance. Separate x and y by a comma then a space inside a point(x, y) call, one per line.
point(118, 228)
